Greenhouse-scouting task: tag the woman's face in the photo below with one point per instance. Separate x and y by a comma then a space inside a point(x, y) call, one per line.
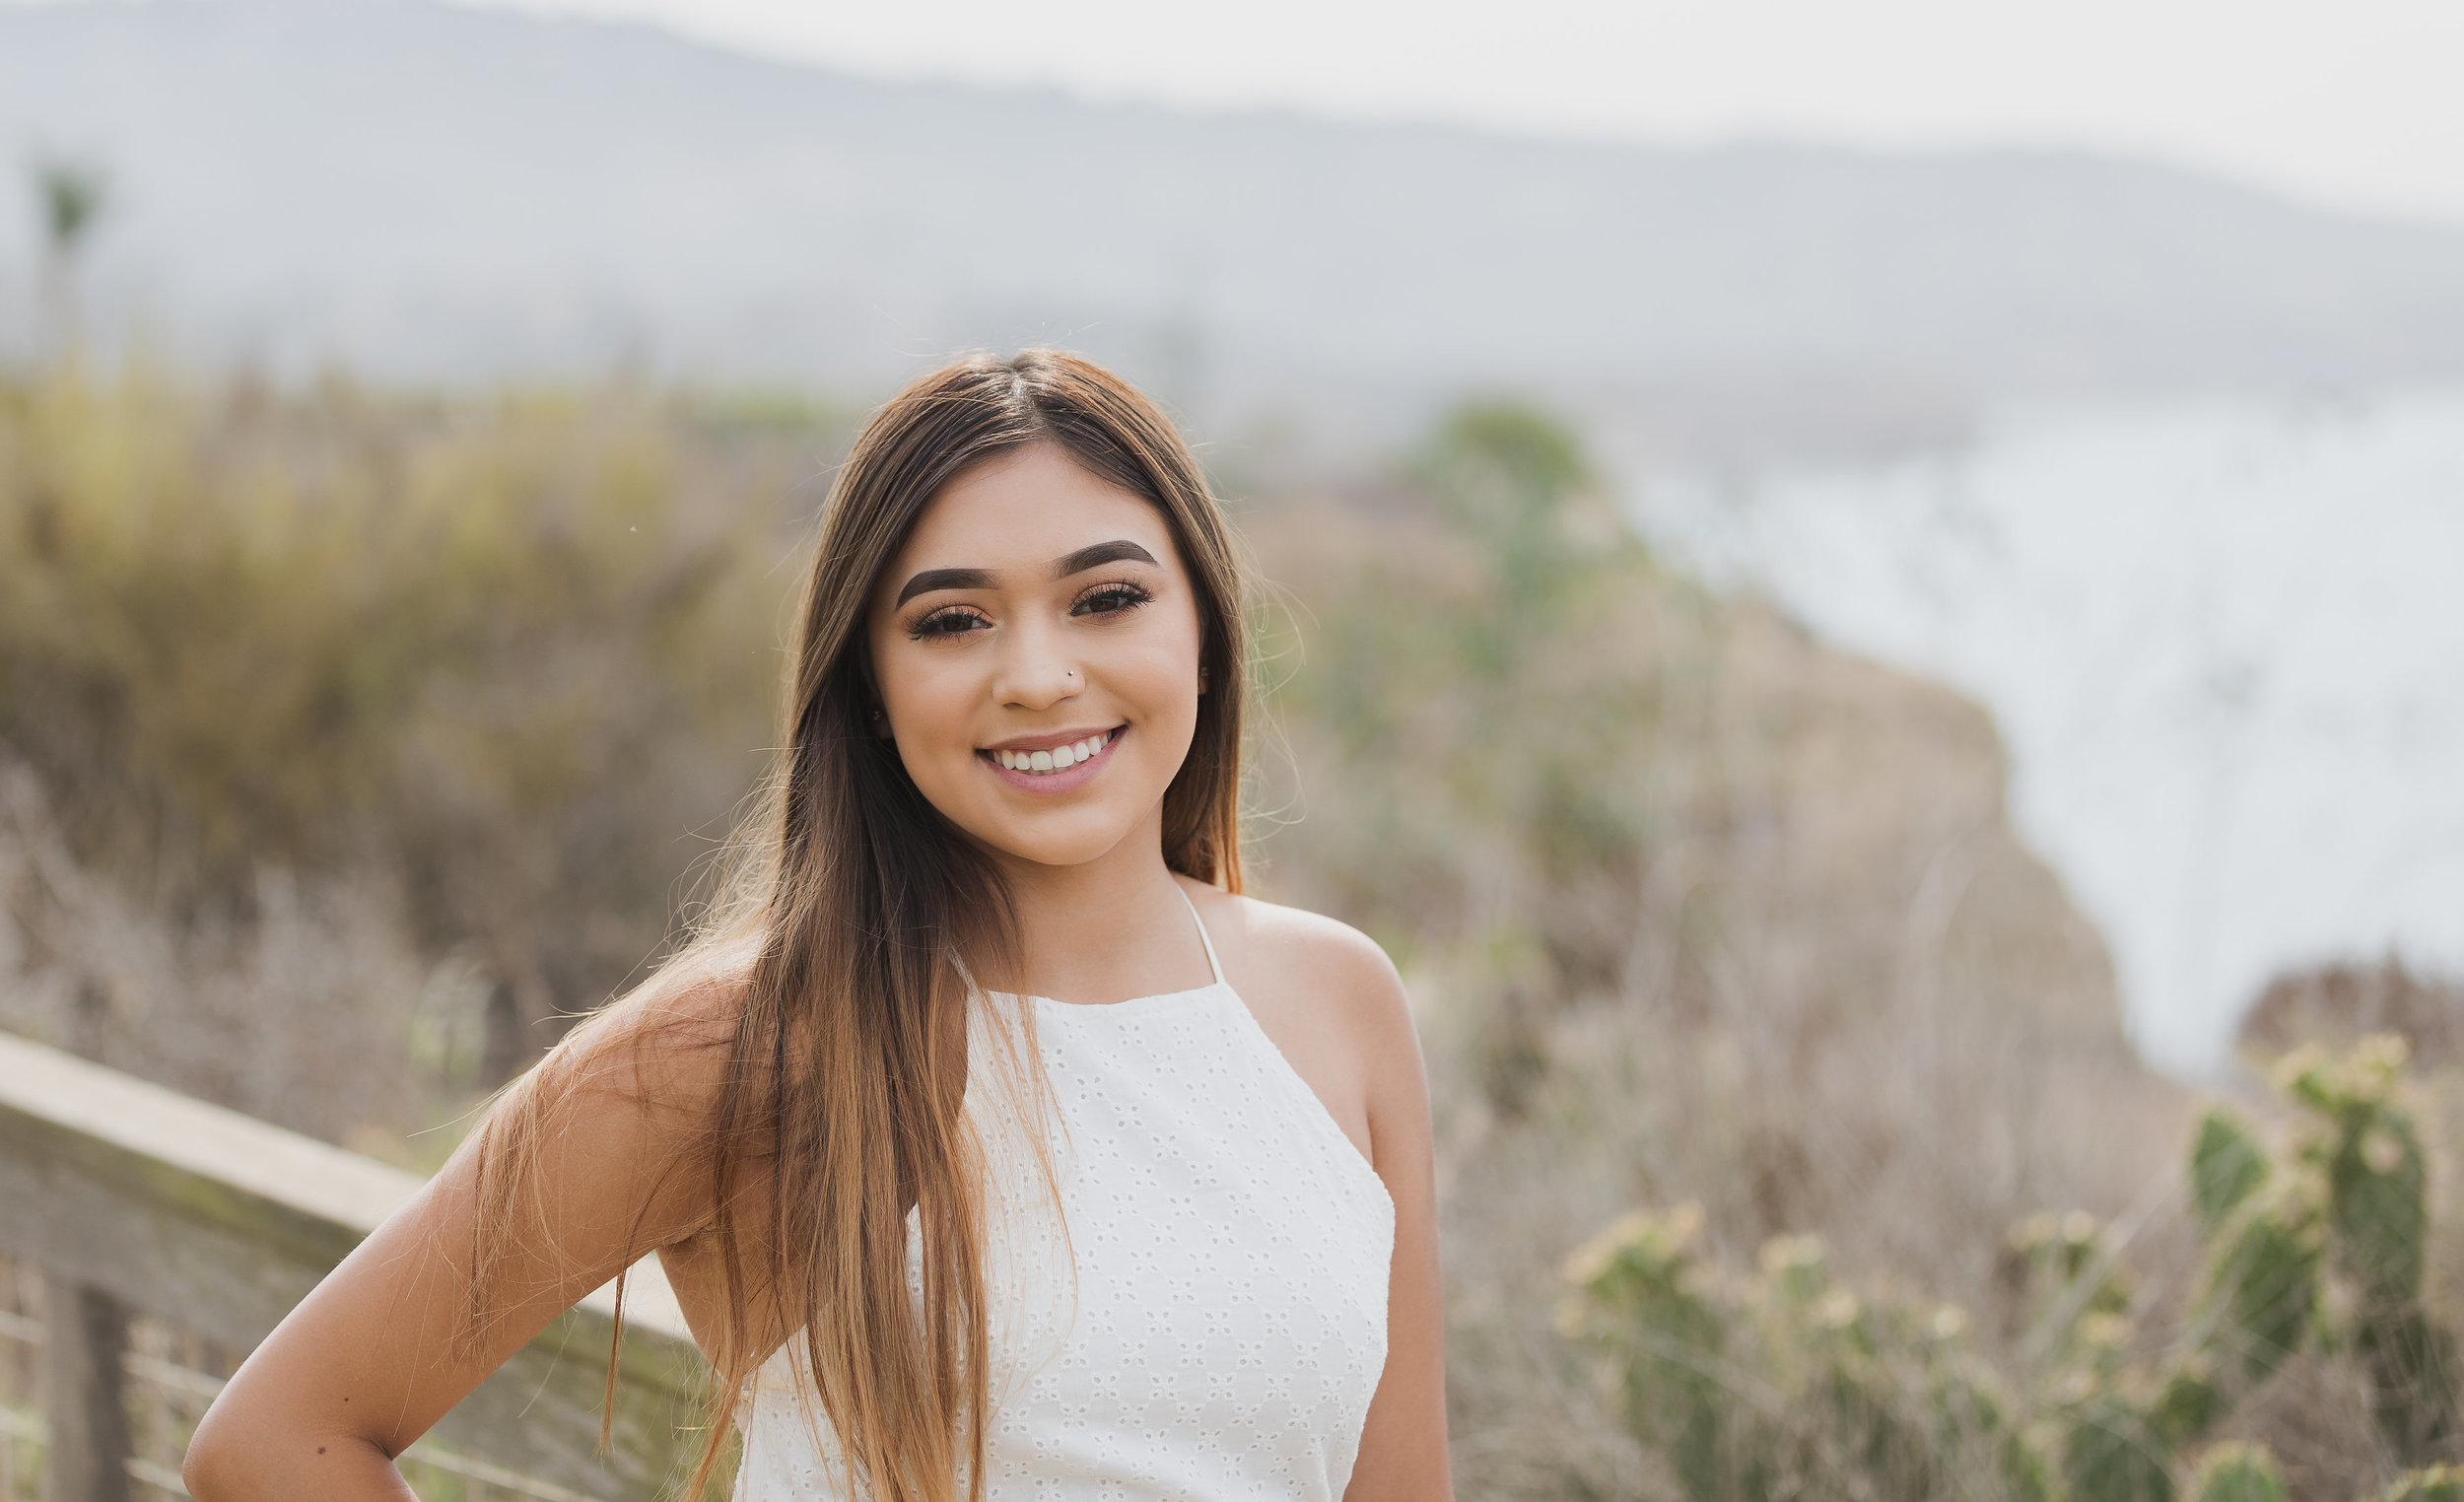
point(1036, 643)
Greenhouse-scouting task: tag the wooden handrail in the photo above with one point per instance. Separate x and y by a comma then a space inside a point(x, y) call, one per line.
point(131, 1196)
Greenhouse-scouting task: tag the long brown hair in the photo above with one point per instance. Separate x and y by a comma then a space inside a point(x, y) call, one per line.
point(848, 1068)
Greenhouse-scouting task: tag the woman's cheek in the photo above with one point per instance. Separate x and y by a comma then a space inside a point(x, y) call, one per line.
point(935, 729)
point(1167, 698)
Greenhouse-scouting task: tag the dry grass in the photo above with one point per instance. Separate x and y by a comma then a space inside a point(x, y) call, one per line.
point(337, 733)
point(344, 738)
point(1695, 909)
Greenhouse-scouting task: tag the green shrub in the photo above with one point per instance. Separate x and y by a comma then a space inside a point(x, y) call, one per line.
point(1757, 1387)
point(2225, 1166)
point(2238, 1474)
point(2316, 1243)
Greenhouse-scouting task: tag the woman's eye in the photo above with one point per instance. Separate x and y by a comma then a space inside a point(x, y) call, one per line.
point(1110, 599)
point(948, 623)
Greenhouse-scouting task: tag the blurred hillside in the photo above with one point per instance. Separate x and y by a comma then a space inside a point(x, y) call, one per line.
point(349, 739)
point(435, 193)
point(1695, 909)
point(2344, 1002)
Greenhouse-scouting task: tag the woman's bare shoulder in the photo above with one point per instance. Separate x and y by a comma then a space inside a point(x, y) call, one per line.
point(667, 1046)
point(1296, 941)
point(603, 1123)
point(700, 990)
point(1326, 966)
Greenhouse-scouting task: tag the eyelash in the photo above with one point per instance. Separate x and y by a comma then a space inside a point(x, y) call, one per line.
point(1129, 592)
point(925, 627)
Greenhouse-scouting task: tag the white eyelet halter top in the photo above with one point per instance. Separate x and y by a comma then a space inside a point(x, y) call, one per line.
point(1207, 1318)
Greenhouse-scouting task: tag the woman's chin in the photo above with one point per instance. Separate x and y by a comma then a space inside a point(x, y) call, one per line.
point(1065, 838)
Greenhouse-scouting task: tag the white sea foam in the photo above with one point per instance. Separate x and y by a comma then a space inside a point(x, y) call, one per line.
point(2224, 642)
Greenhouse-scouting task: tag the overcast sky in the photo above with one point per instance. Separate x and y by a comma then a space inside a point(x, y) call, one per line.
point(2354, 102)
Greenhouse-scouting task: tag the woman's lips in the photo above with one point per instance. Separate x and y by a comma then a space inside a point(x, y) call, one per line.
point(1087, 756)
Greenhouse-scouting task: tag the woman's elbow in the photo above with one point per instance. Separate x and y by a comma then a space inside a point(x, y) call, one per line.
point(250, 1452)
point(211, 1467)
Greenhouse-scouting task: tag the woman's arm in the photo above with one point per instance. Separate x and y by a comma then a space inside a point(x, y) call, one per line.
point(1329, 998)
point(1402, 1446)
point(384, 1348)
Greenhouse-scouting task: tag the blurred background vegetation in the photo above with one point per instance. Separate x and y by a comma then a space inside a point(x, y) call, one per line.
point(351, 739)
point(354, 738)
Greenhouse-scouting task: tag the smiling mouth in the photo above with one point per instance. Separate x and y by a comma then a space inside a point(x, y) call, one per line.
point(1060, 757)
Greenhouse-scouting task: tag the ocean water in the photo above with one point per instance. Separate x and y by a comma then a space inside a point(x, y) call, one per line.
point(2223, 639)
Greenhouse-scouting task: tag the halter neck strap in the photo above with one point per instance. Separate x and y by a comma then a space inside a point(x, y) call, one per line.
point(1214, 965)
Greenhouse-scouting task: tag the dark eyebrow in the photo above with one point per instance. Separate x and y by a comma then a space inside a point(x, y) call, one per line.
point(1119, 550)
point(929, 579)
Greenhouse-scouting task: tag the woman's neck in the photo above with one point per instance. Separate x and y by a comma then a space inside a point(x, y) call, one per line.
point(1107, 929)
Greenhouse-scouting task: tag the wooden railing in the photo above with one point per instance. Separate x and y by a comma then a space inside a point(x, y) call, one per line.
point(137, 1201)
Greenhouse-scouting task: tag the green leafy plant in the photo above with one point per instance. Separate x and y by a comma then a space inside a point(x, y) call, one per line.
point(1749, 1385)
point(2238, 1474)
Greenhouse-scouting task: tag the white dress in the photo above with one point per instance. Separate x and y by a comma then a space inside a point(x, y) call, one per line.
point(1205, 1320)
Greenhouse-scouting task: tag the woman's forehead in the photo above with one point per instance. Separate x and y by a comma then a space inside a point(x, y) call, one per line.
point(1022, 514)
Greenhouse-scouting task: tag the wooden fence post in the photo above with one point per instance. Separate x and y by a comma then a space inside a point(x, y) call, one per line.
point(85, 1332)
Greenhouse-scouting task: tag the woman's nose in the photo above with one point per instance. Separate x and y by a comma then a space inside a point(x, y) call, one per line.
point(1035, 673)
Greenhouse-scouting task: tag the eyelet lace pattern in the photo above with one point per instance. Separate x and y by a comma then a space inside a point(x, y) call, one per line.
point(1206, 1317)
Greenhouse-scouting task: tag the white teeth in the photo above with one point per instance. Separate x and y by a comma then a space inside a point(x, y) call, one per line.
point(1058, 758)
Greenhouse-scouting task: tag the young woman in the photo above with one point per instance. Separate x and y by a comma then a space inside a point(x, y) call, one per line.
point(993, 1143)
